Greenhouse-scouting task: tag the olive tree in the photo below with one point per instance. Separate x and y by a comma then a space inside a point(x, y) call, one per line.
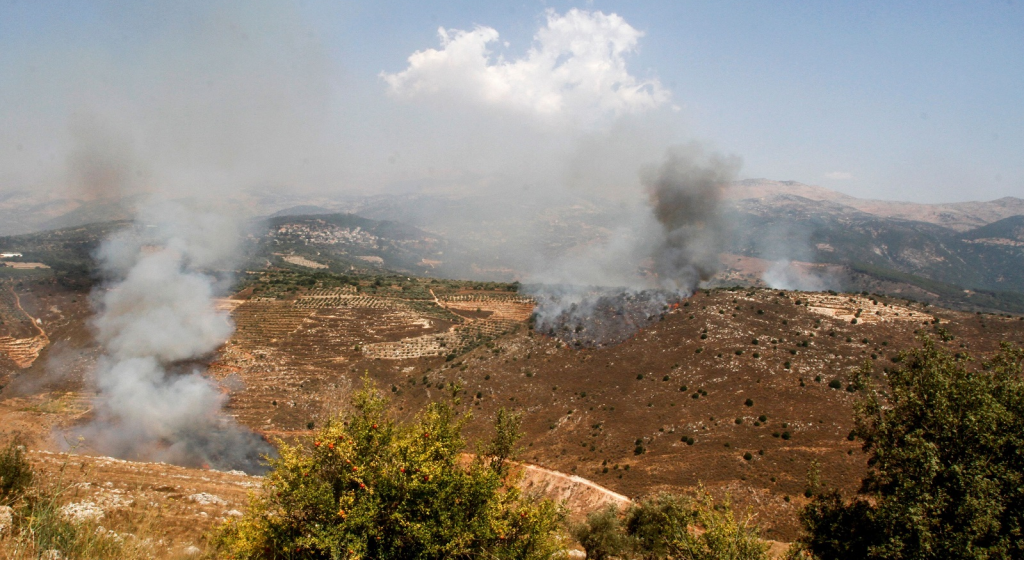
point(945, 439)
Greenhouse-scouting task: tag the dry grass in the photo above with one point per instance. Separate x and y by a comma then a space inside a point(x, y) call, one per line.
point(51, 520)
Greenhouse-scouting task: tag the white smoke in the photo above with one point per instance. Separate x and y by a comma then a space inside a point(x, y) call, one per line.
point(787, 275)
point(683, 232)
point(154, 316)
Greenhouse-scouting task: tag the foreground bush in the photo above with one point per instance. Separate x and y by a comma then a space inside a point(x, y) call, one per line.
point(946, 469)
point(369, 487)
point(15, 472)
point(602, 535)
point(671, 527)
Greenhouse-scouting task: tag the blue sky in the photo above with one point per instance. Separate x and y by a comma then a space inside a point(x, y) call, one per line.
point(919, 101)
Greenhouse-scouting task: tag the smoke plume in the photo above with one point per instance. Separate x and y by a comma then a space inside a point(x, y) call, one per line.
point(789, 275)
point(686, 195)
point(154, 318)
point(666, 261)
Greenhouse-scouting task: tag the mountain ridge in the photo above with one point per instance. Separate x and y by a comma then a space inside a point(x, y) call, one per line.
point(959, 216)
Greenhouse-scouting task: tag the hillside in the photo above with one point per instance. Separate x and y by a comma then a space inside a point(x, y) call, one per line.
point(967, 255)
point(959, 216)
point(664, 410)
point(788, 227)
point(343, 242)
point(587, 411)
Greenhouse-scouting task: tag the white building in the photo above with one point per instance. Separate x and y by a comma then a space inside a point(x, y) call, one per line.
point(10, 254)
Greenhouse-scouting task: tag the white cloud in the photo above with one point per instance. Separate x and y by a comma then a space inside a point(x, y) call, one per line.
point(838, 175)
point(575, 70)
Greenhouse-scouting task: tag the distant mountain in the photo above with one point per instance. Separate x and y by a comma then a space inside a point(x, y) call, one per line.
point(1007, 231)
point(941, 249)
point(790, 227)
point(90, 213)
point(304, 210)
point(960, 216)
point(22, 213)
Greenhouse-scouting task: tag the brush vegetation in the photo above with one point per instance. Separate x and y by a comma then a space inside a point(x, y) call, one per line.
point(15, 472)
point(370, 487)
point(945, 437)
point(670, 527)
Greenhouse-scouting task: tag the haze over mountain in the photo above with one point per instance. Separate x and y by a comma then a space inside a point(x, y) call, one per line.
point(929, 250)
point(960, 216)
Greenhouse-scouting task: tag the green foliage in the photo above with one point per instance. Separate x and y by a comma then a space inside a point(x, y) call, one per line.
point(15, 472)
point(667, 527)
point(506, 434)
point(602, 535)
point(946, 466)
point(835, 529)
point(638, 447)
point(651, 525)
point(370, 487)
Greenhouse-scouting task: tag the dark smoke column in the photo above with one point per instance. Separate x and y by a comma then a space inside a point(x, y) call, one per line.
point(686, 196)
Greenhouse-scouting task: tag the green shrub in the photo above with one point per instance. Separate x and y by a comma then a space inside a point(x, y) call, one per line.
point(639, 449)
point(672, 527)
point(601, 535)
point(650, 526)
point(15, 472)
point(370, 487)
point(945, 441)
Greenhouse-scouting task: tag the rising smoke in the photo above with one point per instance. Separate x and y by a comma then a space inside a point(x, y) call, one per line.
point(686, 197)
point(789, 275)
point(155, 317)
point(666, 262)
point(197, 100)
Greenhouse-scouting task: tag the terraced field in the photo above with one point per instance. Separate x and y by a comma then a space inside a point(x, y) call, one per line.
point(317, 338)
point(21, 338)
